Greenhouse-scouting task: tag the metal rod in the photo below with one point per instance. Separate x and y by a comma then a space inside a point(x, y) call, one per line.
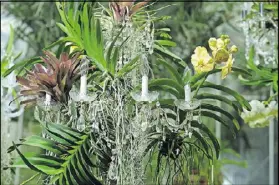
point(19, 134)
point(271, 148)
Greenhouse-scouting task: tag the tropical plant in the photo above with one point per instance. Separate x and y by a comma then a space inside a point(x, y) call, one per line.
point(262, 65)
point(118, 132)
point(55, 80)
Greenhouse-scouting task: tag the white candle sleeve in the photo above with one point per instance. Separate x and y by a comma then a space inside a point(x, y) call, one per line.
point(48, 99)
point(187, 90)
point(83, 85)
point(144, 85)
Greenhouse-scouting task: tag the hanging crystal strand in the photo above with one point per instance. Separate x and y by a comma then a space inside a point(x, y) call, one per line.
point(256, 57)
point(177, 117)
point(262, 19)
point(95, 124)
point(81, 119)
point(245, 26)
point(150, 51)
point(275, 50)
point(247, 38)
point(273, 57)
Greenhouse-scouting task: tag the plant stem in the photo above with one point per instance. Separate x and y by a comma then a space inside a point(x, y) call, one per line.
point(196, 92)
point(270, 98)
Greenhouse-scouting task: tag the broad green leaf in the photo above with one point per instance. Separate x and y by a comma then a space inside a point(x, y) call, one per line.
point(166, 88)
point(108, 57)
point(168, 53)
point(21, 65)
point(233, 93)
point(222, 111)
point(32, 167)
point(237, 107)
point(210, 134)
point(30, 179)
point(167, 82)
point(128, 67)
point(43, 143)
point(166, 43)
point(219, 119)
point(203, 142)
point(174, 73)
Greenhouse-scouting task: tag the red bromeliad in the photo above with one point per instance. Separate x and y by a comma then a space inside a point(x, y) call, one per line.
point(125, 9)
point(55, 80)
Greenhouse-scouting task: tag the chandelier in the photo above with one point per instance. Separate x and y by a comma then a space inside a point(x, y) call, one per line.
point(261, 31)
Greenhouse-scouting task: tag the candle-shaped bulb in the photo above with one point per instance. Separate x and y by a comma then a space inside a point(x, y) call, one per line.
point(144, 85)
point(48, 99)
point(187, 90)
point(83, 78)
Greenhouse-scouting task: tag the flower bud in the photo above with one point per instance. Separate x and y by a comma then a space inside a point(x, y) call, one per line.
point(233, 49)
point(212, 43)
point(220, 43)
point(227, 41)
point(221, 55)
point(224, 37)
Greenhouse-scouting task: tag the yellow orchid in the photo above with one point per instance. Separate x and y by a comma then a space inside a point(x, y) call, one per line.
point(227, 68)
point(201, 60)
point(219, 48)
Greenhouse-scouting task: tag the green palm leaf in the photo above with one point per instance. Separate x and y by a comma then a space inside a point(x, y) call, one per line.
point(72, 163)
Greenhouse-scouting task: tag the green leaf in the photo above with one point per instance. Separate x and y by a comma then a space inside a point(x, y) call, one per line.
point(263, 73)
point(203, 142)
point(128, 67)
point(30, 179)
point(108, 57)
point(114, 61)
point(163, 29)
point(174, 74)
point(237, 107)
point(166, 88)
point(166, 43)
point(167, 82)
point(170, 54)
point(219, 119)
point(222, 111)
point(21, 65)
point(42, 143)
point(233, 93)
point(32, 167)
point(214, 140)
point(241, 71)
point(10, 42)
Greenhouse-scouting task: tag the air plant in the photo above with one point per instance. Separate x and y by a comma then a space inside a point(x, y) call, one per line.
point(121, 10)
point(56, 79)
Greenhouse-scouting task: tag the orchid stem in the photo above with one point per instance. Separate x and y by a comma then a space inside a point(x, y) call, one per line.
point(270, 98)
point(196, 92)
